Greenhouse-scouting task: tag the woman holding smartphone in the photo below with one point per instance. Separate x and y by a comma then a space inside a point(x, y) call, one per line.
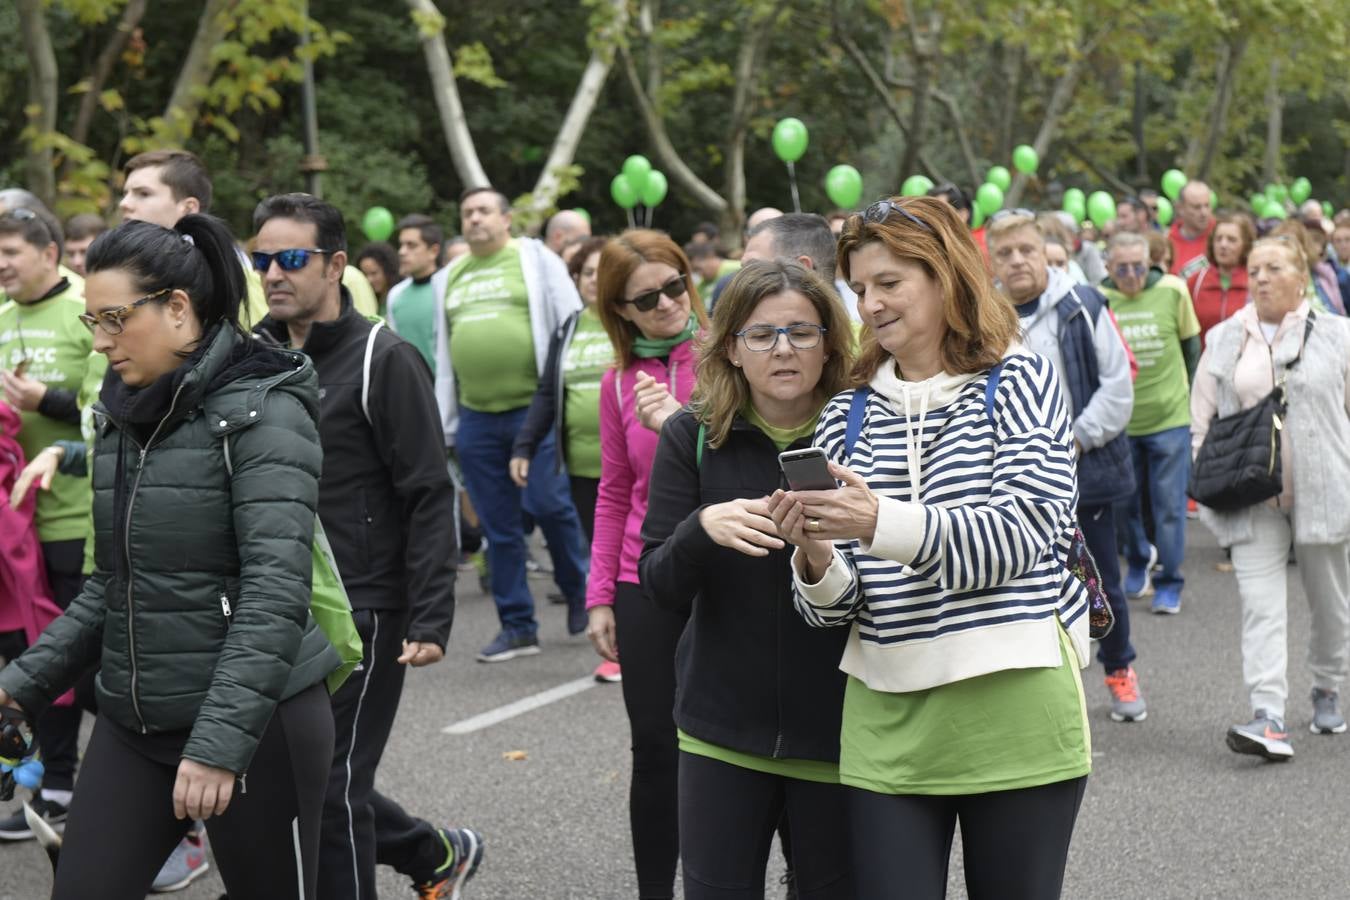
point(759, 692)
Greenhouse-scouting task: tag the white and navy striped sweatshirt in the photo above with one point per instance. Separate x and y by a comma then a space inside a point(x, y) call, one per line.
point(963, 576)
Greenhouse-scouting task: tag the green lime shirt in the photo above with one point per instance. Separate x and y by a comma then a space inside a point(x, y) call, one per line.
point(417, 309)
point(1155, 322)
point(491, 344)
point(588, 357)
point(60, 354)
point(800, 769)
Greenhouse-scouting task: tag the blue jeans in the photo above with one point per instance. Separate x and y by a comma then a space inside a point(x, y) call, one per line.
point(484, 443)
point(1099, 530)
point(1162, 466)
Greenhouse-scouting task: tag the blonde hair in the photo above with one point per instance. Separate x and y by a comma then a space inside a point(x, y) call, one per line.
point(981, 322)
point(722, 389)
point(619, 259)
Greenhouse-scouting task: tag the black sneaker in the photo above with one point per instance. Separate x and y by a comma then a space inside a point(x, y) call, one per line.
point(15, 827)
point(508, 646)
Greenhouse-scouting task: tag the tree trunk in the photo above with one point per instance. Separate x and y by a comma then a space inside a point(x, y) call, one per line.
point(103, 66)
point(962, 136)
point(746, 80)
point(1229, 61)
point(1013, 58)
point(42, 85)
point(1060, 98)
point(1137, 126)
point(458, 140)
point(186, 100)
point(564, 150)
point(1270, 169)
point(925, 52)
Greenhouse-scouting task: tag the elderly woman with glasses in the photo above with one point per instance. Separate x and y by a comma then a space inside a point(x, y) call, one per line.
point(942, 552)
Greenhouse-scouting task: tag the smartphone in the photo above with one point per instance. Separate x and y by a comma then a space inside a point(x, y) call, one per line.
point(807, 470)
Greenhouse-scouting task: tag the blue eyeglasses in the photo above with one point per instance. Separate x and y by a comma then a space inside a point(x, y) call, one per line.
point(289, 260)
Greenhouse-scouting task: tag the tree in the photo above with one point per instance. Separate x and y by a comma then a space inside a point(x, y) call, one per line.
point(41, 109)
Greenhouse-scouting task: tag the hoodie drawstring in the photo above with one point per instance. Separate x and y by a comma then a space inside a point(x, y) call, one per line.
point(914, 441)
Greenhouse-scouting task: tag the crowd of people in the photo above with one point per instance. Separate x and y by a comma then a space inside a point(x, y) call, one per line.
point(198, 428)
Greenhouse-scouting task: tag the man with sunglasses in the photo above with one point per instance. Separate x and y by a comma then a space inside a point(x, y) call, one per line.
point(1158, 321)
point(47, 364)
point(504, 300)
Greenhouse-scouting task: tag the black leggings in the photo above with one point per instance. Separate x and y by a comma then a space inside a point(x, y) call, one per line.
point(647, 636)
point(1015, 843)
point(122, 827)
point(727, 819)
point(584, 493)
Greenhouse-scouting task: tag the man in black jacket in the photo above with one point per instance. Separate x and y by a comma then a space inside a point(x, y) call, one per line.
point(387, 506)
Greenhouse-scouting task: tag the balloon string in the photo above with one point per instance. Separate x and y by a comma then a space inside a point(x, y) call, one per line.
point(792, 180)
point(631, 223)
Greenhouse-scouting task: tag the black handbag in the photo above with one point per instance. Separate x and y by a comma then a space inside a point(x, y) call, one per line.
point(1239, 462)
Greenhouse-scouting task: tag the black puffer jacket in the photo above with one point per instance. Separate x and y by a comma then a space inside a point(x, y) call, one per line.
point(199, 602)
point(751, 674)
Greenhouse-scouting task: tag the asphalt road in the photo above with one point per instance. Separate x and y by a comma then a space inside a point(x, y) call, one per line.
point(1170, 812)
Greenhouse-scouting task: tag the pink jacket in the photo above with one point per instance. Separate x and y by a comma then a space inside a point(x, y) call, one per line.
point(626, 452)
point(25, 600)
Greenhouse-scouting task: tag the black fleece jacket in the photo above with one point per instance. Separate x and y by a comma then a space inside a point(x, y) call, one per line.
point(385, 497)
point(751, 674)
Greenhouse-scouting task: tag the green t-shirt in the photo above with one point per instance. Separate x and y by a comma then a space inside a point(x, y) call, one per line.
point(415, 321)
point(1007, 730)
point(491, 343)
point(800, 769)
point(782, 437)
point(1155, 322)
point(60, 351)
point(588, 357)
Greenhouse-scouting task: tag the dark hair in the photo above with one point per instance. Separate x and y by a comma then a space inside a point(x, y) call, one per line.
point(802, 234)
point(502, 201)
point(696, 252)
point(182, 172)
point(85, 225)
point(327, 221)
point(385, 256)
point(197, 256)
point(578, 261)
point(1137, 205)
point(708, 230)
point(36, 225)
point(952, 194)
point(430, 231)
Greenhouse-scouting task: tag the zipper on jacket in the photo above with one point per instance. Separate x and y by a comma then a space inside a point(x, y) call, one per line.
point(225, 607)
point(126, 552)
point(243, 783)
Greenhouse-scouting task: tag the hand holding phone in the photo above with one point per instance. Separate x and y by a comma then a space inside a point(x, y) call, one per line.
point(807, 470)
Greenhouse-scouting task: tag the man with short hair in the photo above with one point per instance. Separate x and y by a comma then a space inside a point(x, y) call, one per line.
point(80, 233)
point(1158, 322)
point(1149, 197)
point(414, 303)
point(803, 238)
point(1132, 215)
point(387, 507)
point(1190, 232)
point(455, 247)
point(705, 233)
point(759, 217)
point(565, 226)
point(1069, 325)
point(47, 364)
point(503, 303)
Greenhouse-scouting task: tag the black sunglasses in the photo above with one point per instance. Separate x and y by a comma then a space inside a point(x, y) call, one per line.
point(675, 287)
point(289, 260)
point(881, 210)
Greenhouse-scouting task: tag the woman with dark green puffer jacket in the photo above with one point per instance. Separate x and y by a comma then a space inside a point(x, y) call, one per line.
point(211, 692)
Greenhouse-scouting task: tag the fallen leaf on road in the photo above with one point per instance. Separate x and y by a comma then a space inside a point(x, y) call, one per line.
point(515, 755)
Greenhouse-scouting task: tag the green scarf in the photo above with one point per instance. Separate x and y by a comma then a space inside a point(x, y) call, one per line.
point(647, 348)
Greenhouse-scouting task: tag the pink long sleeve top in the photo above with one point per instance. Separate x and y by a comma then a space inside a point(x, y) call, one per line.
point(627, 449)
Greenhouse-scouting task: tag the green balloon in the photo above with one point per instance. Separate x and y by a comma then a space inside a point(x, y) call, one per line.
point(976, 217)
point(656, 188)
point(1173, 181)
point(621, 189)
point(583, 213)
point(1101, 208)
point(1274, 209)
point(1258, 202)
point(916, 186)
point(1165, 211)
point(1300, 190)
point(844, 186)
point(377, 224)
point(1025, 159)
point(789, 139)
point(989, 198)
point(1000, 176)
point(1077, 209)
point(1277, 192)
point(1213, 199)
point(1327, 209)
point(636, 168)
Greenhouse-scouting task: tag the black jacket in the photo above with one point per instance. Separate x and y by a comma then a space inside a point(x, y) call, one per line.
point(546, 408)
point(751, 674)
point(385, 497)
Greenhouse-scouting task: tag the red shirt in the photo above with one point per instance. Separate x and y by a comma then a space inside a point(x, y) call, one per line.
point(1188, 255)
point(1214, 302)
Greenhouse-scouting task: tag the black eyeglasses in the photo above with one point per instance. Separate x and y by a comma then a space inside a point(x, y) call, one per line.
point(675, 287)
point(763, 338)
point(1021, 212)
point(289, 260)
point(113, 320)
point(881, 210)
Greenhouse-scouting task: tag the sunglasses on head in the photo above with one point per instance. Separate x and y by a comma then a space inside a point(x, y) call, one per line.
point(675, 287)
point(289, 260)
point(23, 214)
point(1021, 212)
point(880, 211)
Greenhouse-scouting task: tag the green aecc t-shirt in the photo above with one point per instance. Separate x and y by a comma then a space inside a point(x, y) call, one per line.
point(491, 344)
point(1155, 322)
point(588, 357)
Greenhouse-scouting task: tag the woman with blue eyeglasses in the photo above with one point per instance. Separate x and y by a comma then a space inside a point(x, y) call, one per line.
point(759, 692)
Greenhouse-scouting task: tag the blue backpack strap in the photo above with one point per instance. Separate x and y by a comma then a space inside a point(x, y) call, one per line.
point(856, 407)
point(989, 388)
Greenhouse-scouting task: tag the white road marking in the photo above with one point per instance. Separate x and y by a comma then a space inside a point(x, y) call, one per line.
point(511, 710)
